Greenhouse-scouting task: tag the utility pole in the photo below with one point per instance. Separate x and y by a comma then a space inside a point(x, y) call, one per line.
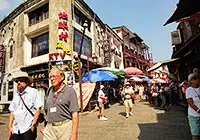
point(85, 25)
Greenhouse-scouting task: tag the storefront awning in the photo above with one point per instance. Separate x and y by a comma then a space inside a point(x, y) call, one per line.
point(159, 64)
point(185, 8)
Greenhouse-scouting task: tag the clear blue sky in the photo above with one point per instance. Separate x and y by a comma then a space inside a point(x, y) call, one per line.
point(145, 17)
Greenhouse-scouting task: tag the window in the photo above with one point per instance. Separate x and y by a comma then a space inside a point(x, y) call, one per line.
point(80, 18)
point(10, 90)
point(40, 45)
point(87, 43)
point(10, 46)
point(4, 89)
point(39, 15)
point(128, 63)
point(11, 51)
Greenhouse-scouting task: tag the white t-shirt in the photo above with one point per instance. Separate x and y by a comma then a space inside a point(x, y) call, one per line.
point(100, 95)
point(193, 93)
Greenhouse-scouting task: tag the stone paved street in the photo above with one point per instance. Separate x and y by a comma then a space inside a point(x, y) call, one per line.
point(146, 124)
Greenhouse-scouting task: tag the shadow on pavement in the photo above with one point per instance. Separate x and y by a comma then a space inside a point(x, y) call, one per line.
point(122, 114)
point(171, 125)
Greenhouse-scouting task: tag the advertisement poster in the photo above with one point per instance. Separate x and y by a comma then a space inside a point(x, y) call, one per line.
point(66, 66)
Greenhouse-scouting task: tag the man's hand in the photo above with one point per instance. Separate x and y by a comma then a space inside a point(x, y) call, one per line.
point(74, 137)
point(42, 129)
point(33, 125)
point(10, 122)
point(32, 128)
point(10, 130)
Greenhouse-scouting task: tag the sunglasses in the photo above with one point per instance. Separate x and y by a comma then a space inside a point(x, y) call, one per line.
point(20, 80)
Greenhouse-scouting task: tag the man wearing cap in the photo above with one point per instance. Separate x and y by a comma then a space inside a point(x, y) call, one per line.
point(22, 124)
point(128, 90)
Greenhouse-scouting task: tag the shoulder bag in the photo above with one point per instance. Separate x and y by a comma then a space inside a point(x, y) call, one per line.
point(41, 116)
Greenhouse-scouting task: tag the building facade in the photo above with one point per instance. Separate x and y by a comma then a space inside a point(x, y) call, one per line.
point(113, 56)
point(135, 51)
point(187, 50)
point(41, 34)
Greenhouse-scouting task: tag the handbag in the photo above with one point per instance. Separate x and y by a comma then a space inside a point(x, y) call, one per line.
point(133, 96)
point(104, 100)
point(41, 116)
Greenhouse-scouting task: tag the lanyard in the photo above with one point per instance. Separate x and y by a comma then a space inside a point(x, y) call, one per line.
point(54, 98)
point(55, 94)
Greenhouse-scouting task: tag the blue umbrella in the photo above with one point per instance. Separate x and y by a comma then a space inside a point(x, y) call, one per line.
point(144, 78)
point(98, 76)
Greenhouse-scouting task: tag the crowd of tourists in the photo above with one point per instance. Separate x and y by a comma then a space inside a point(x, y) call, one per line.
point(162, 96)
point(61, 106)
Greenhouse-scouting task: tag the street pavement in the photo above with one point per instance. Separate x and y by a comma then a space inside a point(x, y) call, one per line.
point(147, 123)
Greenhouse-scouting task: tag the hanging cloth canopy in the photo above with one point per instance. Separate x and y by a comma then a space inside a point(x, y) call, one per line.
point(132, 70)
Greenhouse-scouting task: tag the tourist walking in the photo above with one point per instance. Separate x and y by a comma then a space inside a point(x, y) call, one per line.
point(127, 91)
point(193, 99)
point(102, 99)
point(22, 124)
point(62, 109)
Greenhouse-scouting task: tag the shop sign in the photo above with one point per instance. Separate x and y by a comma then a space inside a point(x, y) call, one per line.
point(65, 65)
point(65, 52)
point(57, 56)
point(39, 75)
point(65, 49)
point(62, 24)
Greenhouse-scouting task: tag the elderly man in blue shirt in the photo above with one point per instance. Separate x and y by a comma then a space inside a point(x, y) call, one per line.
point(22, 124)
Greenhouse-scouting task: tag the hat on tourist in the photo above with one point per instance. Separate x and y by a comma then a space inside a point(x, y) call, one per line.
point(127, 83)
point(192, 76)
point(21, 75)
point(101, 86)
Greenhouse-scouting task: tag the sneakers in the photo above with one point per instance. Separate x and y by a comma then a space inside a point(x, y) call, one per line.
point(130, 113)
point(103, 119)
point(127, 115)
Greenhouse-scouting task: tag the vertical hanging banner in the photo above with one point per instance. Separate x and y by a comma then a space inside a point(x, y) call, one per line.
point(62, 57)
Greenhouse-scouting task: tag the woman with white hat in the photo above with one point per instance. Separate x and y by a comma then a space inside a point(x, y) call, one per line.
point(101, 100)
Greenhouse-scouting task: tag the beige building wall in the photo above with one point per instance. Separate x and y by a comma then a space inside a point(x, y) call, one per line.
point(21, 33)
point(12, 35)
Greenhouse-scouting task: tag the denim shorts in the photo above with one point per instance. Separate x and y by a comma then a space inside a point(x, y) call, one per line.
point(194, 123)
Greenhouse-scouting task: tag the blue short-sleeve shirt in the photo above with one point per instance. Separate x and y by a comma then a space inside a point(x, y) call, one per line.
point(22, 117)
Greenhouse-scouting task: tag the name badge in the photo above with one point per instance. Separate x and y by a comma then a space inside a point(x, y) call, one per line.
point(53, 109)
